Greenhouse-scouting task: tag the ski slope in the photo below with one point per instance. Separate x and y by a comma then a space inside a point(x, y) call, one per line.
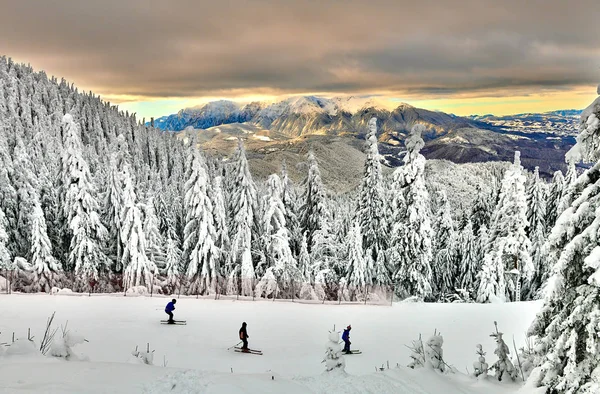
point(291, 335)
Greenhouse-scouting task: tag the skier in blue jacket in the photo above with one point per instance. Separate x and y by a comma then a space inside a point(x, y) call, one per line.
point(346, 339)
point(169, 310)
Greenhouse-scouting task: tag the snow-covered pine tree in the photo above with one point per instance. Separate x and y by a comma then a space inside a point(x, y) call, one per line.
point(172, 264)
point(568, 191)
point(536, 205)
point(411, 233)
point(112, 205)
point(371, 205)
point(567, 330)
point(46, 270)
point(222, 241)
point(334, 359)
point(481, 211)
point(304, 262)
point(314, 212)
point(80, 209)
point(554, 195)
point(358, 273)
point(480, 366)
point(467, 259)
point(503, 366)
point(444, 269)
point(536, 216)
point(242, 213)
point(154, 239)
point(138, 269)
point(26, 185)
point(491, 281)
point(199, 235)
point(509, 244)
point(289, 197)
point(282, 266)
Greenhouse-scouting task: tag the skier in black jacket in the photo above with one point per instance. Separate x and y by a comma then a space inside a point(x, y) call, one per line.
point(244, 336)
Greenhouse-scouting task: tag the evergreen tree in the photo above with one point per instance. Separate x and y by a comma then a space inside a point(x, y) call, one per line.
point(222, 241)
point(467, 258)
point(412, 234)
point(567, 329)
point(172, 262)
point(290, 202)
point(85, 232)
point(554, 195)
point(242, 212)
point(568, 192)
point(358, 276)
point(509, 244)
point(45, 268)
point(113, 206)
point(536, 216)
point(443, 268)
point(154, 239)
point(200, 235)
point(481, 211)
point(304, 263)
point(138, 270)
point(371, 208)
point(314, 212)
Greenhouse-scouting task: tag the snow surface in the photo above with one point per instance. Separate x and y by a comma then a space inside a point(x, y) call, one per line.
point(291, 335)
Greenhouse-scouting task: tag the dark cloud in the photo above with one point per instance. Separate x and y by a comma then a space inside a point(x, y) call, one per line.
point(197, 48)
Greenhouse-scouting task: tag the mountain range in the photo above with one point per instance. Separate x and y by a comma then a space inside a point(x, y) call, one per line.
point(543, 139)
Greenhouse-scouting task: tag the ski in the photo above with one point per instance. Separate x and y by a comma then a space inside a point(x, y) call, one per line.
point(176, 322)
point(257, 352)
point(354, 352)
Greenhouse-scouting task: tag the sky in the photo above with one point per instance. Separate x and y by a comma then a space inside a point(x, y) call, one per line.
point(462, 56)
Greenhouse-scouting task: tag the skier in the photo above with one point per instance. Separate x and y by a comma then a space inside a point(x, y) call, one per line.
point(346, 339)
point(244, 337)
point(169, 310)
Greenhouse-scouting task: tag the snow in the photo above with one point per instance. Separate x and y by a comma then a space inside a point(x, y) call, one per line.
point(291, 336)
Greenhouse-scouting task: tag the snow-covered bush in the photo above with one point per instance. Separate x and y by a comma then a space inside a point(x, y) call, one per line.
point(22, 347)
point(417, 354)
point(503, 366)
point(62, 346)
point(307, 292)
point(434, 354)
point(480, 366)
point(140, 357)
point(334, 360)
point(138, 290)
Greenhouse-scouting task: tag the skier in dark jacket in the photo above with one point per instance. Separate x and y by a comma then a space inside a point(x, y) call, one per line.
point(244, 336)
point(169, 310)
point(346, 339)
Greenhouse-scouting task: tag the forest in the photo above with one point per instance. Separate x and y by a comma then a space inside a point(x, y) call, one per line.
point(94, 200)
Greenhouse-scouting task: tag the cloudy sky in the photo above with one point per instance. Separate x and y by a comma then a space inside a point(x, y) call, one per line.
point(460, 56)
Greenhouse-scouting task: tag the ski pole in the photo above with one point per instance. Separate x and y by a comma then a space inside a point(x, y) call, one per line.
point(234, 345)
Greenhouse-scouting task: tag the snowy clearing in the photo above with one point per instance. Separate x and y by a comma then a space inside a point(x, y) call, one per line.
point(292, 337)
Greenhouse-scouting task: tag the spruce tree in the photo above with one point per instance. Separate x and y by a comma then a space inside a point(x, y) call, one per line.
point(358, 276)
point(536, 217)
point(138, 270)
point(509, 244)
point(567, 329)
point(242, 213)
point(482, 211)
point(200, 235)
point(85, 232)
point(444, 269)
point(46, 269)
point(314, 212)
point(467, 258)
point(289, 197)
point(411, 236)
point(5, 258)
point(371, 208)
point(554, 195)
